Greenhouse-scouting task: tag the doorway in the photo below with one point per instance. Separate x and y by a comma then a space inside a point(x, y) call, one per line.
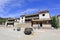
point(41, 24)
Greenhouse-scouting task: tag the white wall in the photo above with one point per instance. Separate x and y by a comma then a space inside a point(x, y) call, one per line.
point(46, 16)
point(22, 20)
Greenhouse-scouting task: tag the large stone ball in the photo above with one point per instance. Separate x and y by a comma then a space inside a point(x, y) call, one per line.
point(28, 31)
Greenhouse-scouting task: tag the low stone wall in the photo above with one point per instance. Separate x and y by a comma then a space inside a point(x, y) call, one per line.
point(46, 25)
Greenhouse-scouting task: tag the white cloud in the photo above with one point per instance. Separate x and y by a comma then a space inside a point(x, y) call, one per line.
point(10, 3)
point(2, 2)
point(12, 15)
point(16, 3)
point(27, 11)
point(30, 11)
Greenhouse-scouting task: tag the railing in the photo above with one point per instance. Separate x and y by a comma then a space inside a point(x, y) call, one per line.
point(31, 17)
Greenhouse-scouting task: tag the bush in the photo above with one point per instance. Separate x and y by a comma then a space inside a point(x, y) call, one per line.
point(55, 22)
point(2, 20)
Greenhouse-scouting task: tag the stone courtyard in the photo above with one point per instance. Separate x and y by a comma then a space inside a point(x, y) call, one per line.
point(7, 33)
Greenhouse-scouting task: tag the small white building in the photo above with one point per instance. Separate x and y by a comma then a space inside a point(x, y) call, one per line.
point(10, 22)
point(22, 19)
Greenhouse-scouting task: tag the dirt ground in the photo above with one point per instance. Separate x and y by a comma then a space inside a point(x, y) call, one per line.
point(7, 33)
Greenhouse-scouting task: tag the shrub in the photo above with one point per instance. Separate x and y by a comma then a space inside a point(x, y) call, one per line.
point(55, 22)
point(2, 20)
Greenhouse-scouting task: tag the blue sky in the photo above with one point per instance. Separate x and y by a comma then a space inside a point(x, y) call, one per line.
point(15, 8)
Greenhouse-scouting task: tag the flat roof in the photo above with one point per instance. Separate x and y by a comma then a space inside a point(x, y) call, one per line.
point(45, 11)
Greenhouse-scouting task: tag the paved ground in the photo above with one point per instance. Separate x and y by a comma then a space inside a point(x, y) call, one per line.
point(41, 34)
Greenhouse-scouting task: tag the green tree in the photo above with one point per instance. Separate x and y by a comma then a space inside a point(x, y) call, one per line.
point(2, 20)
point(55, 22)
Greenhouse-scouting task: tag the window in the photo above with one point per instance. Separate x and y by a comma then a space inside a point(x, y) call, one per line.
point(43, 14)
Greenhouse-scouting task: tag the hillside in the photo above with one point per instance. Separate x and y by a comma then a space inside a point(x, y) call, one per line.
point(2, 20)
